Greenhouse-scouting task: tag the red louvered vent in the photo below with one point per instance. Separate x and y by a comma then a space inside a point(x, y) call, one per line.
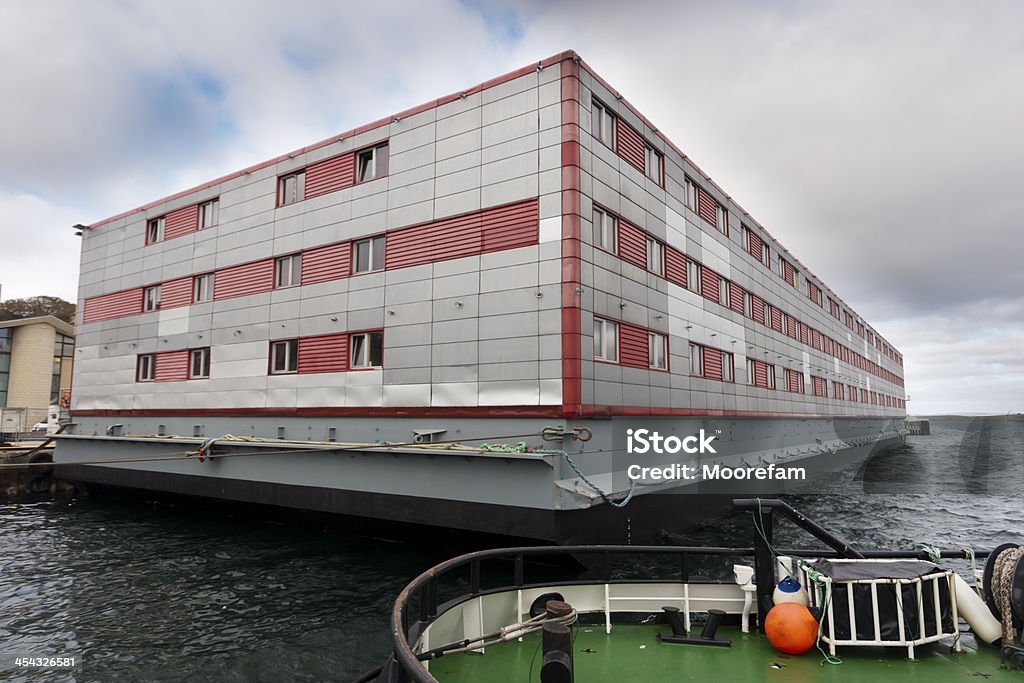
point(837, 390)
point(629, 144)
point(757, 308)
point(760, 374)
point(511, 226)
point(709, 284)
point(791, 326)
point(176, 293)
point(736, 297)
point(633, 350)
point(815, 339)
point(675, 266)
point(813, 293)
point(712, 363)
point(776, 322)
point(247, 278)
point(804, 333)
point(632, 244)
point(115, 305)
point(324, 353)
point(755, 245)
point(819, 386)
point(707, 207)
point(437, 241)
point(331, 175)
point(793, 380)
point(326, 263)
point(172, 366)
point(181, 222)
point(788, 274)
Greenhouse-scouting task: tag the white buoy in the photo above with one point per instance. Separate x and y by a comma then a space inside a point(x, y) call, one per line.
point(975, 612)
point(790, 590)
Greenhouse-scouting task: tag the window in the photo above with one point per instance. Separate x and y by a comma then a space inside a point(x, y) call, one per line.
point(794, 381)
point(728, 367)
point(751, 380)
point(605, 232)
point(373, 163)
point(771, 376)
point(199, 363)
point(723, 291)
point(722, 219)
point(696, 359)
point(766, 255)
point(289, 271)
point(146, 368)
point(657, 347)
point(369, 254)
point(655, 256)
point(284, 356)
point(151, 298)
point(606, 340)
point(602, 123)
point(692, 275)
point(155, 230)
point(748, 305)
point(209, 213)
point(367, 350)
point(291, 188)
point(690, 190)
point(202, 288)
point(652, 163)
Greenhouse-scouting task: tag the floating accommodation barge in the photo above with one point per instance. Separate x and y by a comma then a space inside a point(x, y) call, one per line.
point(527, 257)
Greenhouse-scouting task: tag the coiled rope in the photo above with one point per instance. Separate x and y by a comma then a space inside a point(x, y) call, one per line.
point(1003, 567)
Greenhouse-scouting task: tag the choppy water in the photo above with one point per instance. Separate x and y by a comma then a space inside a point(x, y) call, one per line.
point(141, 592)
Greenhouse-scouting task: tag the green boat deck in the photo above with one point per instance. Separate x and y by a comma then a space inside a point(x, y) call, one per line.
point(634, 653)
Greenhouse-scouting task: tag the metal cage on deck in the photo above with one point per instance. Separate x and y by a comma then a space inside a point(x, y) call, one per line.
point(887, 603)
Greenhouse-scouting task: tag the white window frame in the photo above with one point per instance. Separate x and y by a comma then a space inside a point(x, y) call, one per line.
point(657, 351)
point(155, 230)
point(288, 271)
point(376, 244)
point(750, 372)
point(692, 275)
point(291, 188)
point(209, 213)
point(145, 370)
point(766, 255)
point(202, 288)
point(360, 355)
point(655, 256)
point(728, 367)
point(771, 375)
point(653, 163)
point(690, 193)
point(721, 219)
point(372, 163)
point(696, 360)
point(748, 305)
point(602, 123)
point(606, 340)
point(606, 229)
point(723, 291)
point(151, 298)
point(746, 238)
point(291, 356)
point(203, 355)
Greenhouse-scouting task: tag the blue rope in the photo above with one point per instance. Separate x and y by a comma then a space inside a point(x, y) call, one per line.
point(597, 489)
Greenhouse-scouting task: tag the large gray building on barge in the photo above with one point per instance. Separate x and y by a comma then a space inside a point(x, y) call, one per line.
point(529, 253)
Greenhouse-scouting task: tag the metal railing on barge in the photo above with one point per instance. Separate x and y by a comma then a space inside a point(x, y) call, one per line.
point(425, 590)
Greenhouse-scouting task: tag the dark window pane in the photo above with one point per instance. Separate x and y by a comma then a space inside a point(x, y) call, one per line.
point(382, 161)
point(378, 253)
point(376, 349)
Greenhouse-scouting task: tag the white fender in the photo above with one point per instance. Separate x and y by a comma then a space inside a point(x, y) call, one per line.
point(975, 612)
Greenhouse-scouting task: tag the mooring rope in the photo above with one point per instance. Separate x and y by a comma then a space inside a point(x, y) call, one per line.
point(1003, 568)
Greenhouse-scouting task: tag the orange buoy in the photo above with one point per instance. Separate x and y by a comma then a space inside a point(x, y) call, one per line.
point(791, 628)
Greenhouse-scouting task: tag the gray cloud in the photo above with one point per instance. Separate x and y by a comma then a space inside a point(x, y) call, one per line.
point(880, 142)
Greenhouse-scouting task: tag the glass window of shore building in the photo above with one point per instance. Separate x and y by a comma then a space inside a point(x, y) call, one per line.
point(5, 363)
point(63, 348)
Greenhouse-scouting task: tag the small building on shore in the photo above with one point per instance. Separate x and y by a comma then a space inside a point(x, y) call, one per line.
point(36, 357)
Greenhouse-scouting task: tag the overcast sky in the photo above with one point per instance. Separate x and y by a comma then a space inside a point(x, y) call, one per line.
point(881, 142)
